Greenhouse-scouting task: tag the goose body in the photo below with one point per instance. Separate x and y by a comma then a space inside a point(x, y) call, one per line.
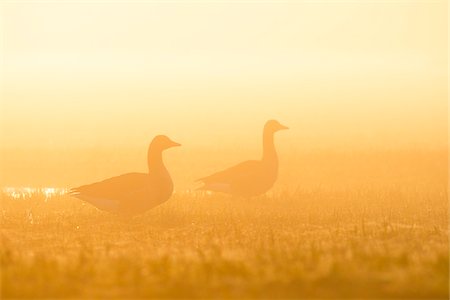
point(133, 193)
point(252, 177)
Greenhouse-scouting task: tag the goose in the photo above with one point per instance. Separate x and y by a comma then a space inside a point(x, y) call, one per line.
point(133, 193)
point(252, 177)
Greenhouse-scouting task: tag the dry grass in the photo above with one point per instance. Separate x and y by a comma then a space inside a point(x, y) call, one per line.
point(364, 242)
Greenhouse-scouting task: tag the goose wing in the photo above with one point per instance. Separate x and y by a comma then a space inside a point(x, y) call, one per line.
point(237, 173)
point(112, 188)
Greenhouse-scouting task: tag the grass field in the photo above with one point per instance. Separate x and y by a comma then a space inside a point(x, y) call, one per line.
point(374, 241)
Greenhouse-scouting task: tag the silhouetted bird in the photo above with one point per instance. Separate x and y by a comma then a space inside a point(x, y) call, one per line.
point(133, 193)
point(253, 177)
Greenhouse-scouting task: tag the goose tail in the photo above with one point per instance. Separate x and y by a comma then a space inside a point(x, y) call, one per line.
point(73, 192)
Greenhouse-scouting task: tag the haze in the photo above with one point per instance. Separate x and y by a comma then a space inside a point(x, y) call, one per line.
point(87, 86)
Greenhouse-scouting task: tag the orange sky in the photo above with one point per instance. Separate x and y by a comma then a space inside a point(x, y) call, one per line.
point(341, 75)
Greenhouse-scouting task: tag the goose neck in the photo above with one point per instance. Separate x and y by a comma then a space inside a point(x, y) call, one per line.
point(269, 152)
point(155, 160)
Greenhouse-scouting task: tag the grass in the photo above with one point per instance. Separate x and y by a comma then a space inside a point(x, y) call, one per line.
point(319, 242)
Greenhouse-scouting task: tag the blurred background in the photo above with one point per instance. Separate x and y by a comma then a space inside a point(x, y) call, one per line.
point(86, 86)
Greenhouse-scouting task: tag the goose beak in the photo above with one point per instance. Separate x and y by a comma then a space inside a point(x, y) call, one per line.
point(282, 127)
point(174, 144)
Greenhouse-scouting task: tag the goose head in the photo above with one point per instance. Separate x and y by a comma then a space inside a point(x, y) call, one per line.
point(162, 142)
point(273, 126)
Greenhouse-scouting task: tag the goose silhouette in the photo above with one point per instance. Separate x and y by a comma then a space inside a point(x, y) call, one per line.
point(133, 193)
point(252, 177)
